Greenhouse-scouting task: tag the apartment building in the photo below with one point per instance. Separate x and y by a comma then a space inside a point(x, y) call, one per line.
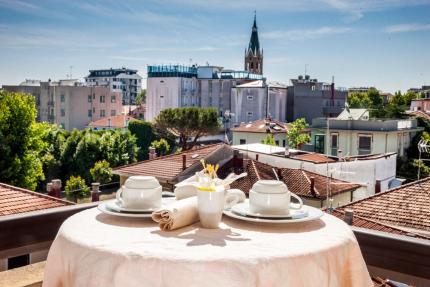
point(71, 104)
point(200, 86)
point(308, 98)
point(123, 80)
point(351, 137)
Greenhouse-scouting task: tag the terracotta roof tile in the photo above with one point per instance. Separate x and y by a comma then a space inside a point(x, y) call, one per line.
point(313, 157)
point(116, 122)
point(407, 206)
point(170, 166)
point(419, 114)
point(298, 181)
point(15, 200)
point(361, 222)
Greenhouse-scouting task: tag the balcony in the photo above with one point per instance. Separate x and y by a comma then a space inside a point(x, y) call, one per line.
point(397, 257)
point(385, 125)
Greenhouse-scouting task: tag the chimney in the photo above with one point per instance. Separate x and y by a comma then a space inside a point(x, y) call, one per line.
point(349, 216)
point(95, 189)
point(56, 188)
point(237, 159)
point(312, 185)
point(184, 161)
point(152, 153)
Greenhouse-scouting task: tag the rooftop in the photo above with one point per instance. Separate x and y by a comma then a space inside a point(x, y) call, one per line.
point(262, 126)
point(406, 207)
point(14, 200)
point(119, 121)
point(170, 166)
point(298, 181)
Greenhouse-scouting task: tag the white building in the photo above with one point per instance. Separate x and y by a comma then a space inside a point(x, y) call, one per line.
point(203, 86)
point(349, 136)
point(123, 80)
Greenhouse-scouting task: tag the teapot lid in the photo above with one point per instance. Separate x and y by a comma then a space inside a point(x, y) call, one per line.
point(140, 181)
point(269, 186)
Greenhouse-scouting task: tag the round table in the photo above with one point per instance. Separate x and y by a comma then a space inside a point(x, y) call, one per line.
point(95, 249)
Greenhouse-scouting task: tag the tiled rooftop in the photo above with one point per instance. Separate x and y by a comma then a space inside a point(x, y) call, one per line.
point(261, 126)
point(313, 157)
point(298, 181)
point(407, 206)
point(373, 225)
point(14, 200)
point(169, 166)
point(115, 122)
point(419, 114)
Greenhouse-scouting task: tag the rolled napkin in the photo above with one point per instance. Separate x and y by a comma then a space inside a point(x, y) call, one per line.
point(178, 214)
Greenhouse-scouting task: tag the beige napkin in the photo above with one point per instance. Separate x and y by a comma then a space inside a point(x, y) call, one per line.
point(177, 214)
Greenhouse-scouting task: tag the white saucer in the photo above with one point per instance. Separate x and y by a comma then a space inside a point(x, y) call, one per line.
point(245, 210)
point(306, 213)
point(116, 205)
point(109, 207)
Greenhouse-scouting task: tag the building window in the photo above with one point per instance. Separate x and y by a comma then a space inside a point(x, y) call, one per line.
point(113, 99)
point(334, 143)
point(210, 101)
point(364, 144)
point(63, 125)
point(250, 98)
point(277, 142)
point(62, 98)
point(102, 99)
point(283, 143)
point(18, 261)
point(242, 141)
point(90, 113)
point(63, 113)
point(113, 113)
point(94, 110)
point(102, 113)
point(89, 98)
point(319, 143)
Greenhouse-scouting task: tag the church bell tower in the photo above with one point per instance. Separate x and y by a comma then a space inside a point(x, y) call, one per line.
point(253, 55)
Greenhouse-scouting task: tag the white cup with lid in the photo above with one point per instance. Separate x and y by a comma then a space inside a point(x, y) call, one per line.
point(272, 197)
point(140, 192)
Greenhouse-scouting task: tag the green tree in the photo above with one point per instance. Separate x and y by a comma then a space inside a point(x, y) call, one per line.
point(162, 147)
point(144, 133)
point(20, 143)
point(359, 101)
point(76, 188)
point(101, 172)
point(296, 135)
point(141, 98)
point(188, 122)
point(269, 140)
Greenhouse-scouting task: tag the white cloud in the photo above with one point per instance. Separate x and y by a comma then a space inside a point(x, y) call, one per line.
point(409, 27)
point(303, 34)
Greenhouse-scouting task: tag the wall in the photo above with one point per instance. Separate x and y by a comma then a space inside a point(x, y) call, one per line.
point(257, 138)
point(248, 104)
point(162, 93)
point(277, 104)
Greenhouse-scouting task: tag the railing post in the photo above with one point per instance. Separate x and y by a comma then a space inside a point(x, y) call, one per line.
point(95, 190)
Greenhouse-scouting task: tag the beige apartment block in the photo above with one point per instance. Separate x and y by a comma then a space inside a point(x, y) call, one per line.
point(71, 104)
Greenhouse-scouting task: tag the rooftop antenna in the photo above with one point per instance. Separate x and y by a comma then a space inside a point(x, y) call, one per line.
point(70, 75)
point(306, 69)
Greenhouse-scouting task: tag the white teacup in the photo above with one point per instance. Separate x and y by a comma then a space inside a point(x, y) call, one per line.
point(272, 197)
point(140, 192)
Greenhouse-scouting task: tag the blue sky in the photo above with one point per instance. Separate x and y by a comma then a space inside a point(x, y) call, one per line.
point(382, 43)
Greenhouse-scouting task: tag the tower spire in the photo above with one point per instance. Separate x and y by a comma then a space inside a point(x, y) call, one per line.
point(254, 56)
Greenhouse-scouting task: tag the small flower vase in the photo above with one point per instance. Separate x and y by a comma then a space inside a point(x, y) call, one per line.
point(210, 205)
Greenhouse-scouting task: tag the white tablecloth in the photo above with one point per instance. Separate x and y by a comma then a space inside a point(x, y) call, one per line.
point(94, 249)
